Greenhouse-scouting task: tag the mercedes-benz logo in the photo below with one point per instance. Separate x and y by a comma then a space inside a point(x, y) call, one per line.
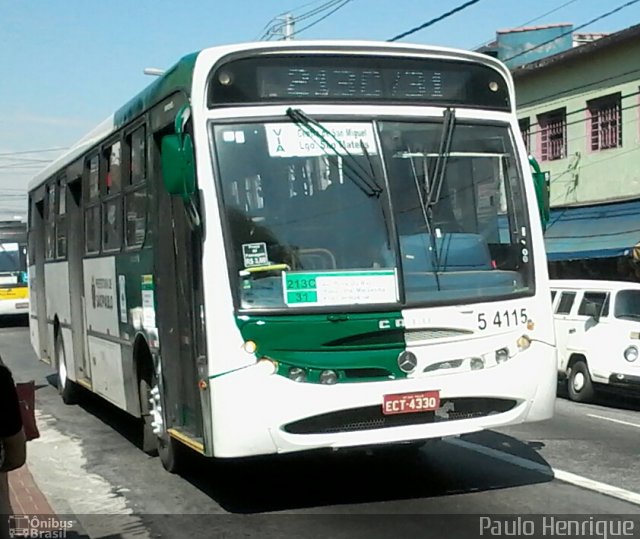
point(407, 361)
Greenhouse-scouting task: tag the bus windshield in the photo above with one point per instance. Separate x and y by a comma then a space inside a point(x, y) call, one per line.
point(372, 212)
point(11, 257)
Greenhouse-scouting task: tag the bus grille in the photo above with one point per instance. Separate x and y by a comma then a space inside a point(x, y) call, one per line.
point(417, 335)
point(371, 417)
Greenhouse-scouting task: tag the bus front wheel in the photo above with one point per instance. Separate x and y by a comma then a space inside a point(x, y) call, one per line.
point(155, 438)
point(170, 451)
point(67, 389)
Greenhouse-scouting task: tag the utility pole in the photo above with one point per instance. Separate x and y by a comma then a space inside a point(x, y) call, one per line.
point(287, 28)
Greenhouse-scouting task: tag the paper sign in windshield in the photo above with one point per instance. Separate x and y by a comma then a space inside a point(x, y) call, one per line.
point(255, 254)
point(305, 288)
point(290, 140)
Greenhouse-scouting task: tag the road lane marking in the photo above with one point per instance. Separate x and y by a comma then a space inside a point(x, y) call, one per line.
point(561, 475)
point(615, 420)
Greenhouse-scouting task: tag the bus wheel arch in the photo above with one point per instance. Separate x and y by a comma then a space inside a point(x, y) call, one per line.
point(579, 384)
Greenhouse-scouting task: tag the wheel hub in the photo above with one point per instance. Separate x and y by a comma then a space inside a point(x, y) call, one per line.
point(578, 382)
point(155, 410)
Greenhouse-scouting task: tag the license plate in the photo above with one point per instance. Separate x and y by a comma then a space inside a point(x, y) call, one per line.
point(406, 403)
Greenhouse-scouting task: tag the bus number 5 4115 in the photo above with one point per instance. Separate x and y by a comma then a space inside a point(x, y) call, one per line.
point(506, 318)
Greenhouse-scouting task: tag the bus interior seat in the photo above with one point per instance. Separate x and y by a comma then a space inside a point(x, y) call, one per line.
point(455, 252)
point(316, 259)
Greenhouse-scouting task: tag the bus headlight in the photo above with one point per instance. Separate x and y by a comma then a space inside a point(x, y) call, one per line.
point(502, 355)
point(297, 374)
point(476, 363)
point(250, 347)
point(328, 377)
point(523, 343)
point(631, 353)
point(268, 365)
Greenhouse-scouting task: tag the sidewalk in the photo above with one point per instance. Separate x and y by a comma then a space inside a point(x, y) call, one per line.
point(26, 498)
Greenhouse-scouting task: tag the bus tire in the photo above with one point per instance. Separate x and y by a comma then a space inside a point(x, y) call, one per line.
point(168, 449)
point(579, 384)
point(67, 389)
point(149, 440)
point(171, 453)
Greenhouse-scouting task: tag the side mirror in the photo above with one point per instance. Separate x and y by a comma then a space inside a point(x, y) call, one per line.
point(541, 182)
point(178, 166)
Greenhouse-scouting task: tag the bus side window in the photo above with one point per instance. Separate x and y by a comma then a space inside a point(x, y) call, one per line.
point(92, 206)
point(135, 199)
point(112, 197)
point(61, 220)
point(50, 213)
point(112, 224)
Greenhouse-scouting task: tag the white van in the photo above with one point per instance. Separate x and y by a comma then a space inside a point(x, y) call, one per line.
point(598, 335)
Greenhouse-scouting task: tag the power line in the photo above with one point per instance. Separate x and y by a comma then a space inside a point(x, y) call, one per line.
point(276, 23)
point(530, 21)
point(11, 154)
point(596, 19)
point(582, 86)
point(435, 20)
point(272, 30)
point(344, 3)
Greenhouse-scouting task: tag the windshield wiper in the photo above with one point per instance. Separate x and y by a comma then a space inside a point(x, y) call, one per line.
point(434, 190)
point(361, 178)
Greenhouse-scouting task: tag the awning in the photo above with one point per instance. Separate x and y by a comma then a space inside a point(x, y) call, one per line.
point(601, 231)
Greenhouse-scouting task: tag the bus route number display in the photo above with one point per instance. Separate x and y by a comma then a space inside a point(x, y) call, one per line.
point(304, 288)
point(353, 82)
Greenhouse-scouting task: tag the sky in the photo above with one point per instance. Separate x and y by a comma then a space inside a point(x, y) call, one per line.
point(66, 65)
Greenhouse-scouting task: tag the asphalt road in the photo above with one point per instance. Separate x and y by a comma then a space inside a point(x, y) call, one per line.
point(88, 463)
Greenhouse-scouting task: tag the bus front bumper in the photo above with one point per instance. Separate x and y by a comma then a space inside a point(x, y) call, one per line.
point(9, 307)
point(257, 413)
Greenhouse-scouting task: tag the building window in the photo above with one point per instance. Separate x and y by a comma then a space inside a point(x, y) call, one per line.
point(525, 130)
point(605, 122)
point(553, 135)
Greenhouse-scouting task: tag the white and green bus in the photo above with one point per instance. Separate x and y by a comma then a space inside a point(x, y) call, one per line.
point(280, 247)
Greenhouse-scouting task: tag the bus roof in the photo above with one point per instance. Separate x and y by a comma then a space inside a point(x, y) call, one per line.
point(180, 76)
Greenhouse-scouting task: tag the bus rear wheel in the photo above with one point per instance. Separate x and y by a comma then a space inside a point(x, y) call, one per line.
point(67, 389)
